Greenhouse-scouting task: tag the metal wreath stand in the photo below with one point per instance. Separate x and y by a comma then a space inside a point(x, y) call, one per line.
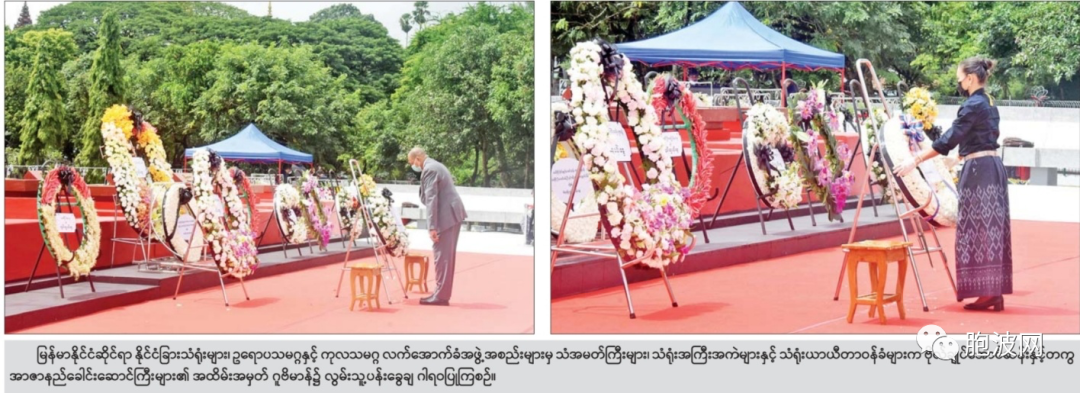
point(606, 251)
point(893, 186)
point(206, 267)
point(382, 255)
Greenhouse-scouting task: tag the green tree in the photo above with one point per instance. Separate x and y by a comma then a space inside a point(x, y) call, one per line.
point(24, 17)
point(106, 89)
point(406, 25)
point(45, 132)
point(420, 14)
point(339, 11)
point(286, 92)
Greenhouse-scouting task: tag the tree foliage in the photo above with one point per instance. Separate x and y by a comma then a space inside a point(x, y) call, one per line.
point(1036, 43)
point(45, 131)
point(337, 86)
point(466, 96)
point(106, 89)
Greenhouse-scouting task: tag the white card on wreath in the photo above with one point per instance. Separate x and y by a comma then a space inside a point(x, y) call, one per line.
point(618, 143)
point(562, 180)
point(777, 160)
point(65, 222)
point(673, 144)
point(185, 226)
point(395, 212)
point(140, 168)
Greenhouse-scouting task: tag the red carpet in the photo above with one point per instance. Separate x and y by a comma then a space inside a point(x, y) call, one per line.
point(492, 294)
point(794, 294)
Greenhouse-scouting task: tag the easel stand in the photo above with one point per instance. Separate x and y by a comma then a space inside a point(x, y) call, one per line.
point(184, 266)
point(858, 144)
point(605, 251)
point(138, 243)
point(382, 253)
point(909, 213)
point(59, 280)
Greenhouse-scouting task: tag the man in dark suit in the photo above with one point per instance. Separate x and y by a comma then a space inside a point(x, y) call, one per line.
point(445, 213)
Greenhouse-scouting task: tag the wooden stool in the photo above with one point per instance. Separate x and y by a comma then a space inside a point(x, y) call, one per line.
point(369, 277)
point(418, 280)
point(878, 254)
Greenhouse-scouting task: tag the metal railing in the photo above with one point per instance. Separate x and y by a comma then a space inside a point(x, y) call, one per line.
point(1020, 103)
point(93, 175)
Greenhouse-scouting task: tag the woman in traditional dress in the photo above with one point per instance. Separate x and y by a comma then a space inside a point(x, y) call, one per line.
point(983, 234)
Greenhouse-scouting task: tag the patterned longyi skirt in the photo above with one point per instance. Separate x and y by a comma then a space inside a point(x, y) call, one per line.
point(983, 234)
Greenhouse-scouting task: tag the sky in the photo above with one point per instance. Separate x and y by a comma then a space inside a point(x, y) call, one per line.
point(387, 13)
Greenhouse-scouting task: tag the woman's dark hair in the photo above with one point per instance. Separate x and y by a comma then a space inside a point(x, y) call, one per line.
point(979, 66)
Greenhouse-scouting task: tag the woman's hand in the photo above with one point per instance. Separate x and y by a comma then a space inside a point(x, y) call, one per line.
point(905, 167)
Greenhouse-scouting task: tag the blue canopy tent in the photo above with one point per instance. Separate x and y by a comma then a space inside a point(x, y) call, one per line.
point(731, 38)
point(251, 145)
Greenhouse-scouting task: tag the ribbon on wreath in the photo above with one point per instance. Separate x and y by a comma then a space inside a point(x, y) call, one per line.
point(564, 130)
point(913, 131)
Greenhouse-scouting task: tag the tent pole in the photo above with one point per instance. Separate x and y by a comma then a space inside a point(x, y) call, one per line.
point(841, 81)
point(783, 76)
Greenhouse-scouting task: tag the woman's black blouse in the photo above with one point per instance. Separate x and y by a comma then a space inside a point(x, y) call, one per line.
point(975, 128)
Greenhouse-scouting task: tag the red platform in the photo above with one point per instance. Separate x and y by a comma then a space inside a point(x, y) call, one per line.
point(493, 294)
point(793, 294)
point(23, 239)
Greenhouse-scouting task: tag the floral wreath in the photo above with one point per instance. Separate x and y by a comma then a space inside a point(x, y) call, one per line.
point(243, 184)
point(667, 91)
point(396, 241)
point(174, 202)
point(348, 200)
point(826, 175)
point(85, 256)
point(290, 216)
point(771, 157)
point(584, 228)
point(652, 226)
point(902, 138)
point(117, 127)
point(232, 245)
point(318, 215)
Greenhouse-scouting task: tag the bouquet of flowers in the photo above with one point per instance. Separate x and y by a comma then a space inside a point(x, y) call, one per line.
point(919, 104)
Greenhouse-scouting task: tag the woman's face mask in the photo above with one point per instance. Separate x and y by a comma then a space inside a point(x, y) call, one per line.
point(960, 87)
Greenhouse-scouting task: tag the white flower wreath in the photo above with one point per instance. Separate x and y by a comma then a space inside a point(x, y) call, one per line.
point(397, 242)
point(289, 214)
point(231, 247)
point(767, 127)
point(171, 206)
point(632, 217)
point(932, 183)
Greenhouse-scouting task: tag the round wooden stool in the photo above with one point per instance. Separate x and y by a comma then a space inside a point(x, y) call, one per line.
point(877, 254)
point(417, 264)
point(368, 276)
